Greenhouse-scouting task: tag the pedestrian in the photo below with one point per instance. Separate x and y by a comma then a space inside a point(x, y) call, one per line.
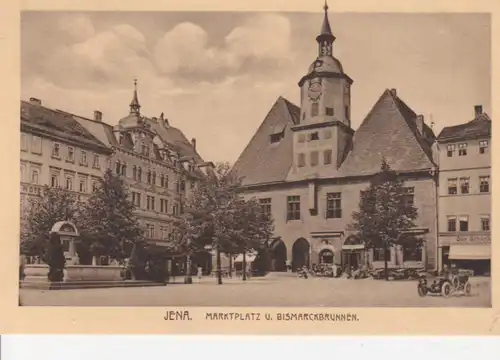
point(200, 273)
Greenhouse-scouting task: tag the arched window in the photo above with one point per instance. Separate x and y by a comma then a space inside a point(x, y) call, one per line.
point(124, 169)
point(154, 178)
point(118, 167)
point(134, 172)
point(149, 177)
point(139, 174)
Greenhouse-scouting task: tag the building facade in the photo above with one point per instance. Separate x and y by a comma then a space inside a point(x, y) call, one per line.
point(465, 194)
point(158, 164)
point(308, 167)
point(57, 151)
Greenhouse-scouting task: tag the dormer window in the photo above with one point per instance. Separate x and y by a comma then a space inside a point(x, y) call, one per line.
point(313, 136)
point(329, 111)
point(276, 138)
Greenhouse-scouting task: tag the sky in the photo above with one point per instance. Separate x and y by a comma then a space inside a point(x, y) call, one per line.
point(215, 75)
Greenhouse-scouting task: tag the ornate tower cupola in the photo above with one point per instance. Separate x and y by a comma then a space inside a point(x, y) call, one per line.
point(135, 107)
point(325, 39)
point(323, 135)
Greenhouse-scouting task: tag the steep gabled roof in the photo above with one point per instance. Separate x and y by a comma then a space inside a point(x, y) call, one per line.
point(262, 161)
point(389, 130)
point(479, 127)
point(59, 124)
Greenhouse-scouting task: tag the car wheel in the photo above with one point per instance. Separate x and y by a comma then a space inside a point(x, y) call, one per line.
point(422, 290)
point(467, 288)
point(446, 289)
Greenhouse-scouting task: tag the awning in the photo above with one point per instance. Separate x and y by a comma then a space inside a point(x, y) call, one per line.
point(248, 258)
point(353, 247)
point(470, 252)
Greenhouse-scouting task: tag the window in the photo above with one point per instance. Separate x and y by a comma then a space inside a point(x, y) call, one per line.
point(83, 185)
point(36, 145)
point(136, 199)
point(166, 182)
point(412, 254)
point(118, 167)
point(450, 150)
point(151, 231)
point(134, 172)
point(175, 209)
point(24, 142)
point(96, 163)
point(54, 180)
point(183, 185)
point(462, 149)
point(265, 206)
point(95, 186)
point(301, 160)
point(192, 184)
point(314, 109)
point(463, 223)
point(484, 184)
point(149, 177)
point(163, 205)
point(275, 138)
point(314, 158)
point(34, 176)
point(301, 138)
point(378, 255)
point(313, 136)
point(452, 186)
point(124, 169)
point(452, 223)
point(153, 180)
point(485, 223)
point(334, 205)
point(464, 185)
point(69, 183)
point(327, 157)
point(293, 208)
point(71, 154)
point(327, 134)
point(83, 158)
point(329, 111)
point(483, 147)
point(409, 196)
point(162, 180)
point(303, 116)
point(139, 174)
point(347, 114)
point(55, 150)
point(150, 202)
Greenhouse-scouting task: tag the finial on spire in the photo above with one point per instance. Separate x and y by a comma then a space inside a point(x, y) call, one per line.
point(134, 105)
point(325, 7)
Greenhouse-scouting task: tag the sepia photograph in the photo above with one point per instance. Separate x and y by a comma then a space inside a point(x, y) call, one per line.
point(255, 159)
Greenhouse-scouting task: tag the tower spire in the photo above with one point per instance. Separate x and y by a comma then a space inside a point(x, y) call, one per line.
point(325, 37)
point(135, 107)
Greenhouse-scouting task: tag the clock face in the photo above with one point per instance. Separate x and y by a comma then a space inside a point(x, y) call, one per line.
point(314, 91)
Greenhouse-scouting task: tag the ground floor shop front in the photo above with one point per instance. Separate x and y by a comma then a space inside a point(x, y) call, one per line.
point(470, 251)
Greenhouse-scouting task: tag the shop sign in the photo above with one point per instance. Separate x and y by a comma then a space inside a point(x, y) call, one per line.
point(474, 238)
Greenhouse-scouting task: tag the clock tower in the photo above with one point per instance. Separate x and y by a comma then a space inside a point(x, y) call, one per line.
point(323, 135)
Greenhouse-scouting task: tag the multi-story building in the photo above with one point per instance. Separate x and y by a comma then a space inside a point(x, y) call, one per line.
point(308, 167)
point(158, 164)
point(57, 151)
point(465, 194)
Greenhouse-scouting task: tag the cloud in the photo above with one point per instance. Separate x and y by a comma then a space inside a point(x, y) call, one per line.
point(76, 27)
point(262, 44)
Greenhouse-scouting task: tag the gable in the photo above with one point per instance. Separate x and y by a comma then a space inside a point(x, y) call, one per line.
point(389, 131)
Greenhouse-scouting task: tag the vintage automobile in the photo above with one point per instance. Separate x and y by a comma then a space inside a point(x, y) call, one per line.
point(445, 285)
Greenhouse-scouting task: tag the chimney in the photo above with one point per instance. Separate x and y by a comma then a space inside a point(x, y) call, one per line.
point(420, 123)
point(394, 92)
point(478, 110)
point(97, 115)
point(35, 101)
point(193, 143)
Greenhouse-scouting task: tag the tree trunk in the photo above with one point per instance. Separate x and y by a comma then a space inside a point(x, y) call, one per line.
point(386, 265)
point(230, 265)
point(244, 265)
point(219, 269)
point(187, 275)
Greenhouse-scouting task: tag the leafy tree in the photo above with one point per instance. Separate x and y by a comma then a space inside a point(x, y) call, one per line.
point(108, 225)
point(55, 204)
point(384, 215)
point(218, 216)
